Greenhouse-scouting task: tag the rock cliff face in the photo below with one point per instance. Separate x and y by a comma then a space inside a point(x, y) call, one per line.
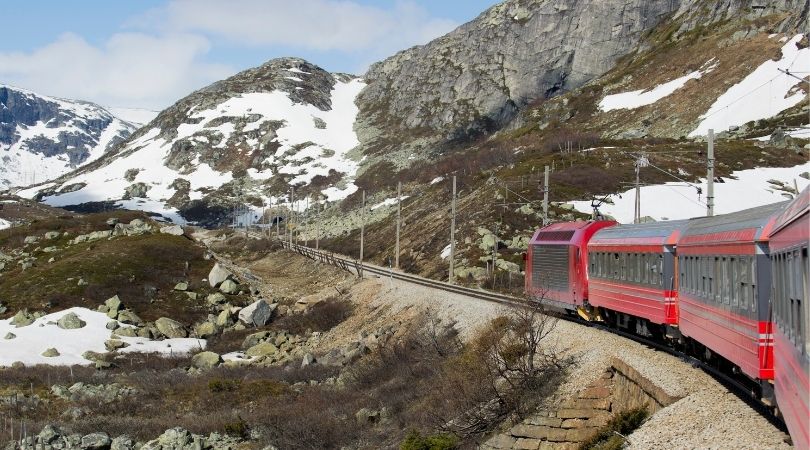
point(476, 78)
point(43, 137)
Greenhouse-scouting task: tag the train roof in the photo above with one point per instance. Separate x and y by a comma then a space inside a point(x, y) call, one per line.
point(795, 209)
point(577, 232)
point(758, 219)
point(651, 233)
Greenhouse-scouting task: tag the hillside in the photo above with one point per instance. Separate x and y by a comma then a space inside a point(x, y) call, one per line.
point(44, 137)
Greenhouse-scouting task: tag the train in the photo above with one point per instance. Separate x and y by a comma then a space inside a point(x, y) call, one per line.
point(731, 289)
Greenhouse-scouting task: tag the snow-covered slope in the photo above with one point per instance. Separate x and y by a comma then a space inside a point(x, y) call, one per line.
point(250, 137)
point(135, 116)
point(672, 201)
point(44, 137)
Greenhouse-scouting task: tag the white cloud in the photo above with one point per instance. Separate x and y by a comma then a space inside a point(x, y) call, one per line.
point(322, 25)
point(132, 69)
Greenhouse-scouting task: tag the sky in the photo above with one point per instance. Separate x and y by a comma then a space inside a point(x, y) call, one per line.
point(150, 53)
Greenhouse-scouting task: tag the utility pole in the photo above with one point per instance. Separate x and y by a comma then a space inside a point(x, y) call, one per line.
point(278, 218)
point(317, 224)
point(637, 212)
point(290, 214)
point(710, 176)
point(362, 226)
point(545, 197)
point(306, 212)
point(453, 234)
point(399, 223)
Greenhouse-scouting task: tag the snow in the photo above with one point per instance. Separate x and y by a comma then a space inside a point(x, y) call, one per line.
point(676, 200)
point(294, 78)
point(798, 132)
point(297, 70)
point(328, 150)
point(641, 97)
point(764, 93)
point(445, 252)
point(388, 202)
point(4, 224)
point(43, 334)
point(137, 116)
point(436, 180)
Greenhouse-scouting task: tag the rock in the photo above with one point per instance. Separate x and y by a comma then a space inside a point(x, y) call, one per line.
point(171, 328)
point(126, 332)
point(10, 335)
point(114, 344)
point(229, 287)
point(173, 439)
point(122, 443)
point(367, 416)
point(92, 356)
point(22, 319)
point(112, 221)
point(70, 321)
point(218, 275)
point(258, 313)
point(51, 235)
point(206, 360)
point(225, 318)
point(96, 441)
point(181, 286)
point(31, 239)
point(174, 230)
point(130, 318)
point(18, 365)
point(308, 359)
point(50, 353)
point(262, 349)
point(255, 338)
point(49, 434)
point(113, 304)
point(206, 330)
point(112, 325)
point(191, 295)
point(81, 282)
point(215, 299)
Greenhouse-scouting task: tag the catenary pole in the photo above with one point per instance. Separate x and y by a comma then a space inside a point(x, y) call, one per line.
point(545, 197)
point(362, 226)
point(453, 233)
point(710, 176)
point(399, 223)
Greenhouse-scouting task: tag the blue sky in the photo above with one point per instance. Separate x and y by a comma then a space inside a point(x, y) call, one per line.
point(149, 53)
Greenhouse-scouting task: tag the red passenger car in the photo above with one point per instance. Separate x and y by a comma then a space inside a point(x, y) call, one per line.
point(724, 290)
point(557, 261)
point(632, 275)
point(791, 314)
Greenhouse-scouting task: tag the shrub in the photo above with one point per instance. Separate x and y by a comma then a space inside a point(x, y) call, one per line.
point(440, 441)
point(610, 436)
point(222, 385)
point(323, 316)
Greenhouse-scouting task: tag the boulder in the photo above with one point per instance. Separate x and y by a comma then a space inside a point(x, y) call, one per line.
point(174, 439)
point(255, 338)
point(70, 321)
point(112, 325)
point(261, 349)
point(229, 287)
point(309, 359)
point(206, 360)
point(174, 230)
point(96, 441)
point(31, 239)
point(22, 318)
point(225, 318)
point(50, 353)
point(10, 335)
point(218, 275)
point(181, 286)
point(367, 416)
point(215, 299)
point(112, 221)
point(258, 313)
point(191, 295)
point(206, 330)
point(114, 344)
point(113, 305)
point(49, 434)
point(122, 443)
point(170, 328)
point(126, 332)
point(129, 317)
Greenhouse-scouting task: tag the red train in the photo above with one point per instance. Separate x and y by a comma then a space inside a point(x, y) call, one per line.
point(732, 289)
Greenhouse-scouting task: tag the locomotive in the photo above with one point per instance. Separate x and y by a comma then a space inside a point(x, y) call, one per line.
point(731, 289)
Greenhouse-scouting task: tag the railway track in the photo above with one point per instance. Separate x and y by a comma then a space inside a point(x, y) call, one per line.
point(739, 389)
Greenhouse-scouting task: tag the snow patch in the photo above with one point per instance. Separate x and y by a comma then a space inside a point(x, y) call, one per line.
point(673, 201)
point(445, 252)
point(4, 224)
point(34, 339)
point(642, 97)
point(764, 93)
point(436, 180)
point(388, 202)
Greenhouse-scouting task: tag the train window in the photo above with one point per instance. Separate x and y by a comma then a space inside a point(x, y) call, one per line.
point(726, 278)
point(661, 270)
point(615, 264)
point(753, 275)
point(734, 293)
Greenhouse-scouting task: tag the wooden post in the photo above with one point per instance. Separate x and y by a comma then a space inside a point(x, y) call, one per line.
point(453, 233)
point(399, 223)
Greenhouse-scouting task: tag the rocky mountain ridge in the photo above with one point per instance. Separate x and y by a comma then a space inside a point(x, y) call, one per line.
point(42, 137)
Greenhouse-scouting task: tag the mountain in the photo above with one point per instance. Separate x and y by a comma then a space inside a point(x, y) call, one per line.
point(252, 136)
point(135, 116)
point(44, 137)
